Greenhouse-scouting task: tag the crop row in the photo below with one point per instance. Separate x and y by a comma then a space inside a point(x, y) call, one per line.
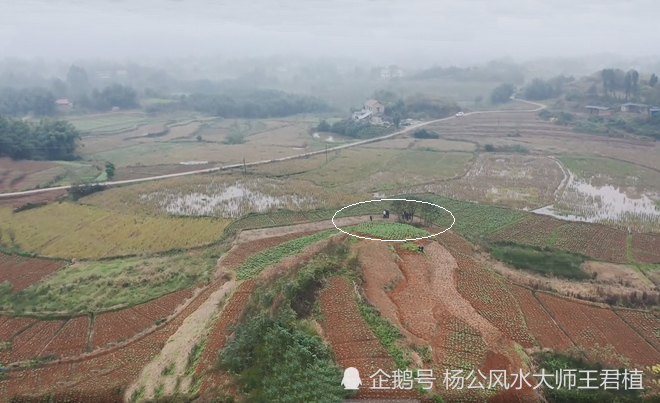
point(387, 230)
point(646, 248)
point(597, 328)
point(534, 230)
point(23, 272)
point(594, 240)
point(540, 324)
point(645, 323)
point(103, 376)
point(28, 344)
point(491, 297)
point(254, 264)
point(120, 325)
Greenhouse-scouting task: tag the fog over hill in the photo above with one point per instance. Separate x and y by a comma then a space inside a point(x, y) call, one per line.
point(413, 31)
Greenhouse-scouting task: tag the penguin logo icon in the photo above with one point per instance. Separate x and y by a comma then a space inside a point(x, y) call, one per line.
point(351, 379)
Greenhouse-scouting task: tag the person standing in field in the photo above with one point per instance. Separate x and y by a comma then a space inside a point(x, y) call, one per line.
point(371, 218)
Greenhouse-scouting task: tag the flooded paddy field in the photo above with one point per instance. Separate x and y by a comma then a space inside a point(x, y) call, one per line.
point(602, 191)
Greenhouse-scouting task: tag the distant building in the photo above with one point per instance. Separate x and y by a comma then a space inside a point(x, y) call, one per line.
point(105, 74)
point(375, 107)
point(654, 111)
point(599, 110)
point(63, 105)
point(391, 72)
point(631, 107)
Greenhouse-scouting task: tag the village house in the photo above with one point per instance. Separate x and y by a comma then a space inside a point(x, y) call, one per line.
point(654, 111)
point(631, 107)
point(599, 110)
point(63, 105)
point(391, 72)
point(375, 107)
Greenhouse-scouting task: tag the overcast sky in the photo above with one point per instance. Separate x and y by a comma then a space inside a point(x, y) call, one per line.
point(438, 31)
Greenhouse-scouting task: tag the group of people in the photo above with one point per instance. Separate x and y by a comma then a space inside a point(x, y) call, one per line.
point(407, 216)
point(386, 214)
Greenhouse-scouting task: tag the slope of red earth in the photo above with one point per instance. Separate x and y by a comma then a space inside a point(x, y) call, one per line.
point(644, 323)
point(100, 377)
point(71, 340)
point(218, 335)
point(22, 272)
point(28, 344)
point(118, 326)
point(595, 329)
point(646, 248)
point(540, 324)
point(352, 340)
point(460, 338)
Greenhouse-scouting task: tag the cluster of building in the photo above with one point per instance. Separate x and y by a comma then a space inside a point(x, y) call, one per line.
point(628, 107)
point(372, 111)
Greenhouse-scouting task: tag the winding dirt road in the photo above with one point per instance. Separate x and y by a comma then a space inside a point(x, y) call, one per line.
point(233, 166)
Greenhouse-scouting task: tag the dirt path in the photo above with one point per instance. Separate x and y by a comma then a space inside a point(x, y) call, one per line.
point(192, 331)
point(260, 233)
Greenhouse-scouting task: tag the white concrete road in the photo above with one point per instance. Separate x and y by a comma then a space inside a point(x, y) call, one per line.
point(233, 166)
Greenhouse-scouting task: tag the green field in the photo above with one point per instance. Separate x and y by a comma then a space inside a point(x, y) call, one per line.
point(108, 122)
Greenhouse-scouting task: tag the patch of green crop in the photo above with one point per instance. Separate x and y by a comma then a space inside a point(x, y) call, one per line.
point(387, 230)
point(254, 264)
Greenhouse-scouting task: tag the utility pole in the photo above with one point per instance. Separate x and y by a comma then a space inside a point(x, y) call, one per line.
point(326, 153)
point(244, 167)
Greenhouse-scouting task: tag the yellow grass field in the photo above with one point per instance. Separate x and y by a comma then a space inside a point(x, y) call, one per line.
point(79, 231)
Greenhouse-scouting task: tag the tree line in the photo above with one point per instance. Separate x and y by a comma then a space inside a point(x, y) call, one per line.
point(254, 104)
point(43, 140)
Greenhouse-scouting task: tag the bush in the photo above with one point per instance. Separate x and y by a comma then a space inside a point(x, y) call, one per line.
point(545, 261)
point(425, 134)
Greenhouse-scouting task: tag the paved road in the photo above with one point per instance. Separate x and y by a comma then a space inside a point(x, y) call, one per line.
point(233, 166)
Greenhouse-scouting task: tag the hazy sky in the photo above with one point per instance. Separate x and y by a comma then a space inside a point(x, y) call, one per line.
point(437, 31)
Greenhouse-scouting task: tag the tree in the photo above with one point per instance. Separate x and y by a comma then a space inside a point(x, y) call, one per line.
point(77, 81)
point(502, 93)
point(323, 126)
point(635, 81)
point(539, 89)
point(109, 170)
point(43, 140)
point(396, 120)
point(627, 84)
point(653, 81)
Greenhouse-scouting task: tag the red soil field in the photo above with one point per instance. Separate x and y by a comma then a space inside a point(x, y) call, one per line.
point(589, 326)
point(29, 343)
point(540, 324)
point(535, 230)
point(22, 272)
point(10, 326)
point(646, 248)
point(597, 241)
point(645, 323)
point(218, 335)
point(120, 325)
point(491, 297)
point(455, 244)
point(164, 306)
point(71, 340)
point(98, 378)
point(117, 326)
point(594, 240)
point(352, 340)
